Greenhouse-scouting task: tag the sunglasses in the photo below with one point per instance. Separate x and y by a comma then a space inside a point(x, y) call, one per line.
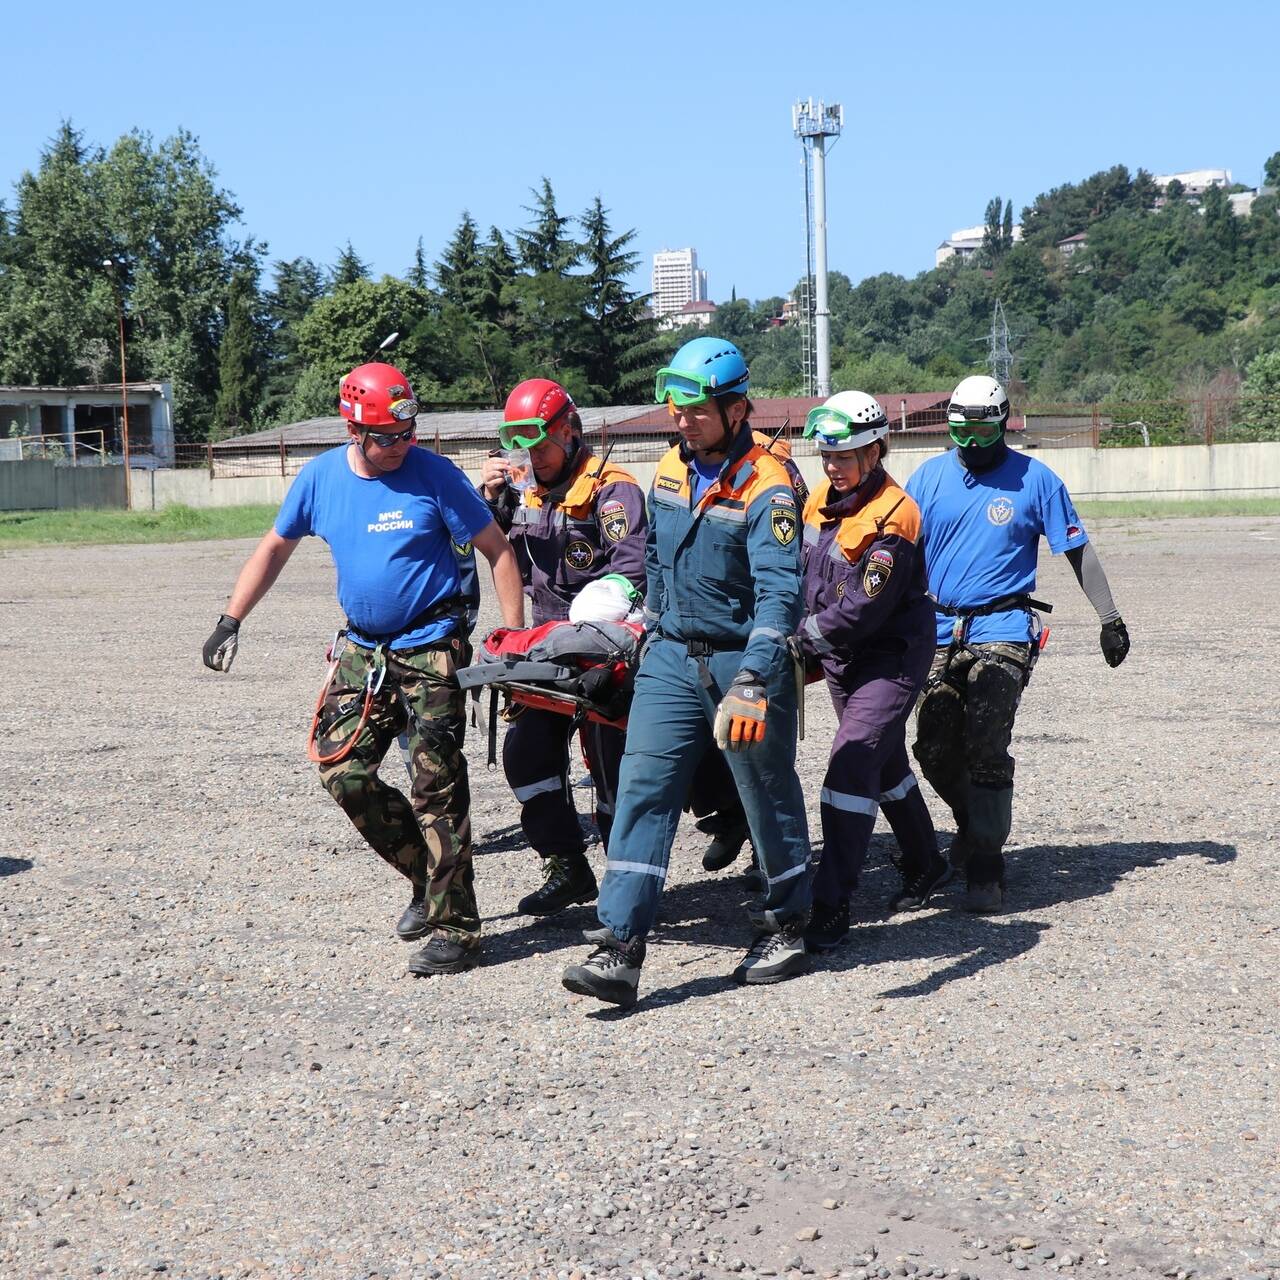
point(388, 439)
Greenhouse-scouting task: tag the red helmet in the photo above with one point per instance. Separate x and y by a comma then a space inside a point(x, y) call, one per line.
point(376, 395)
point(532, 407)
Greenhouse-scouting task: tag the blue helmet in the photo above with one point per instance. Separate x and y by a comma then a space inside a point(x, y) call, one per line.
point(702, 368)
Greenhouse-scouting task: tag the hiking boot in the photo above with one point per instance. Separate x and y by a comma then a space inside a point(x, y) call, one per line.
point(725, 847)
point(984, 899)
point(445, 954)
point(611, 972)
point(414, 923)
point(828, 926)
point(917, 889)
point(774, 957)
point(986, 884)
point(566, 880)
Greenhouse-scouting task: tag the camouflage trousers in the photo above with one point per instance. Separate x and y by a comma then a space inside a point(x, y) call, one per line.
point(426, 836)
point(964, 719)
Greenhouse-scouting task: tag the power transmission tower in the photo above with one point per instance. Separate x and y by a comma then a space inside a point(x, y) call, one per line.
point(999, 356)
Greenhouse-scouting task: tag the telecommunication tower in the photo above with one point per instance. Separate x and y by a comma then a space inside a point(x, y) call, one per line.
point(813, 123)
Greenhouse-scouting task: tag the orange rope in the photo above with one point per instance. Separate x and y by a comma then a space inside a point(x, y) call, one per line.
point(313, 741)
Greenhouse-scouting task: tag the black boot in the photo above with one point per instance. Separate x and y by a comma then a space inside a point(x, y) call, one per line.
point(566, 879)
point(986, 884)
point(445, 954)
point(990, 817)
point(828, 926)
point(729, 835)
point(919, 884)
point(414, 923)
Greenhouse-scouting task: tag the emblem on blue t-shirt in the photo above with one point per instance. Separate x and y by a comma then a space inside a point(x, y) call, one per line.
point(1000, 511)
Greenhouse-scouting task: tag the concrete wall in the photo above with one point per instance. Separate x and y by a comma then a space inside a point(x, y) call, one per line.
point(156, 489)
point(1170, 474)
point(1191, 471)
point(36, 485)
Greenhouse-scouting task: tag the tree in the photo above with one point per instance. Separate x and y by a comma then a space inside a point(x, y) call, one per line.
point(459, 274)
point(417, 274)
point(543, 246)
point(239, 362)
point(992, 241)
point(349, 268)
point(1271, 170)
point(157, 209)
point(621, 340)
point(297, 285)
point(1006, 230)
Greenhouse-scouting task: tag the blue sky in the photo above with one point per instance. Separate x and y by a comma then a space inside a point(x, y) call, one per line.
point(380, 123)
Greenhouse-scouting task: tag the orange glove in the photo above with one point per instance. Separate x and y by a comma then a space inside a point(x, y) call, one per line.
point(740, 717)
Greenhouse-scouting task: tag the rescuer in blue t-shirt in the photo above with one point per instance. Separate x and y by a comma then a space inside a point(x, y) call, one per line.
point(398, 521)
point(984, 509)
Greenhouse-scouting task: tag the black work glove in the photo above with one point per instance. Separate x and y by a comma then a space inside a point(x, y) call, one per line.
point(220, 648)
point(1114, 640)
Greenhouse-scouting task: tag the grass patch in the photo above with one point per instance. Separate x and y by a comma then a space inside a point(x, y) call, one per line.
point(176, 523)
point(1149, 509)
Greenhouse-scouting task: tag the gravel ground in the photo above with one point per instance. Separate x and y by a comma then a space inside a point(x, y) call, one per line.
point(212, 1062)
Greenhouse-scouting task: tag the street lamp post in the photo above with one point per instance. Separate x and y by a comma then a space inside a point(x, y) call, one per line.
point(110, 266)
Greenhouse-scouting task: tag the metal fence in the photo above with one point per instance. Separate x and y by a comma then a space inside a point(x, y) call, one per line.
point(1107, 425)
point(85, 448)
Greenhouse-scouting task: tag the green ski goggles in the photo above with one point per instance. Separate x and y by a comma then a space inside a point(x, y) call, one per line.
point(524, 433)
point(961, 429)
point(681, 388)
point(833, 425)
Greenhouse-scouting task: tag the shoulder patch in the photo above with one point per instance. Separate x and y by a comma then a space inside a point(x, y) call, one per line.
point(668, 482)
point(877, 573)
point(784, 499)
point(614, 520)
point(783, 522)
point(461, 549)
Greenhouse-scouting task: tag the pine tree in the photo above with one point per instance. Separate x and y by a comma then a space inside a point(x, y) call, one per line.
point(458, 272)
point(349, 268)
point(298, 286)
point(544, 245)
point(1006, 231)
point(621, 341)
point(417, 275)
point(239, 362)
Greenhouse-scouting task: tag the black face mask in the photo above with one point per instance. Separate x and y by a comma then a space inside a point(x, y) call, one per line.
point(980, 458)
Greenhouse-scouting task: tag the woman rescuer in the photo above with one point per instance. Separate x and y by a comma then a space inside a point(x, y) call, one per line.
point(869, 625)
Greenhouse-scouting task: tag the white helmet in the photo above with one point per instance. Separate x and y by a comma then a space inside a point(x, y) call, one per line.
point(978, 399)
point(848, 420)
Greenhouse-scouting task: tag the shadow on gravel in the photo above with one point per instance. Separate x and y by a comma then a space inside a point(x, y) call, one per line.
point(505, 839)
point(12, 866)
point(1045, 875)
point(1038, 877)
point(707, 914)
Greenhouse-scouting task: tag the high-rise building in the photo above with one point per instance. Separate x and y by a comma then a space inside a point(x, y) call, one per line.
point(676, 281)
